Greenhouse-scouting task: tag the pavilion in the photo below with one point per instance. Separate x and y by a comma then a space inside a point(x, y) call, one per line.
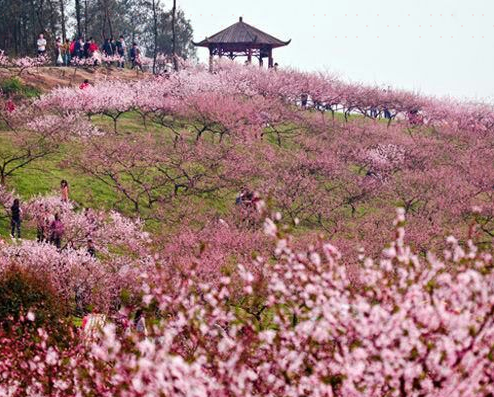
point(239, 40)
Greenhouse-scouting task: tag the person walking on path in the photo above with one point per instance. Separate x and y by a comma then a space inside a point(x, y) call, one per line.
point(15, 222)
point(57, 230)
point(64, 188)
point(41, 45)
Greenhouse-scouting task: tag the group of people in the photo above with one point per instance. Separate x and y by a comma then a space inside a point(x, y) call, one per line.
point(81, 48)
point(49, 227)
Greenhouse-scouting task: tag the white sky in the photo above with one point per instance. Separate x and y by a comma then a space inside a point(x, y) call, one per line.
point(353, 40)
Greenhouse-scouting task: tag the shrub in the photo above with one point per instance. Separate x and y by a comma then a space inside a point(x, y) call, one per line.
point(22, 290)
point(15, 87)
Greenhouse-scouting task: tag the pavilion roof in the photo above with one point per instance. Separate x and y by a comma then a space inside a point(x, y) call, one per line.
point(242, 33)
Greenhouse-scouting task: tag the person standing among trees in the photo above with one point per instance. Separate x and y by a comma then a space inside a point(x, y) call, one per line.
point(66, 52)
point(64, 190)
point(121, 48)
point(135, 56)
point(140, 323)
point(15, 221)
point(93, 48)
point(85, 48)
point(107, 48)
point(41, 45)
point(41, 223)
point(91, 249)
point(58, 52)
point(10, 105)
point(79, 48)
point(85, 84)
point(56, 231)
point(113, 46)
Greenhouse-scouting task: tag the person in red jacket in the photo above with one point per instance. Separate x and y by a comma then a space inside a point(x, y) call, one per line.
point(10, 105)
point(93, 47)
point(85, 84)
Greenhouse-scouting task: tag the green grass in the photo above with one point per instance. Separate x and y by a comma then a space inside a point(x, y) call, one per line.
point(13, 86)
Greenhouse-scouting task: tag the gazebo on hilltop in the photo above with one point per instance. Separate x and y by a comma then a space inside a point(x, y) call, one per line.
point(239, 40)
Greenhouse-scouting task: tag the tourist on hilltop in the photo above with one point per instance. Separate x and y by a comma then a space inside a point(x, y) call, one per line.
point(56, 231)
point(85, 84)
point(113, 45)
point(135, 56)
point(85, 48)
point(41, 45)
point(66, 51)
point(93, 47)
point(121, 49)
point(73, 47)
point(64, 188)
point(15, 219)
point(79, 48)
point(58, 52)
point(107, 48)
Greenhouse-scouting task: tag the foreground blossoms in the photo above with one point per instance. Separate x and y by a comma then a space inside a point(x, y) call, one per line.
point(299, 326)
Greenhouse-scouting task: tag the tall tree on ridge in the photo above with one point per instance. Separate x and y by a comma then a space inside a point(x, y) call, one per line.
point(174, 36)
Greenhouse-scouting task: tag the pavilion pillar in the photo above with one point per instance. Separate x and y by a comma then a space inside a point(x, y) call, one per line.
point(270, 64)
point(249, 56)
point(210, 60)
point(260, 62)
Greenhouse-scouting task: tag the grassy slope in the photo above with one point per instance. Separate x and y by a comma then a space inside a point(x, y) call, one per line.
point(44, 175)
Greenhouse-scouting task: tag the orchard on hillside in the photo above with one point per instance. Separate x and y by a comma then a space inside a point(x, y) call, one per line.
point(254, 233)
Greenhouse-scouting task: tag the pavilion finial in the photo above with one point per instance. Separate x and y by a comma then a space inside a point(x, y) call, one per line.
point(240, 19)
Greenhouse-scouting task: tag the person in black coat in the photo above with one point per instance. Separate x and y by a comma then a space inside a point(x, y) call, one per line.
point(15, 222)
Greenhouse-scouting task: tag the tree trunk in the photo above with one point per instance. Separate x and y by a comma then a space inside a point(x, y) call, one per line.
point(78, 17)
point(174, 36)
point(85, 19)
point(155, 32)
point(62, 16)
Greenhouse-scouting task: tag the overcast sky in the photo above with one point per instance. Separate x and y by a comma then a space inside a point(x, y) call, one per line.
point(439, 47)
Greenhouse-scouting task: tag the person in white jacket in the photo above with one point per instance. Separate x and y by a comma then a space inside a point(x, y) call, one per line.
point(41, 44)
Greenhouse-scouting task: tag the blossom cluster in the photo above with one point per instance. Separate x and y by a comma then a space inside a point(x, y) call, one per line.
point(410, 326)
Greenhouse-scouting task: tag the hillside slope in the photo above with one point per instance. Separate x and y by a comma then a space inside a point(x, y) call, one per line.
point(47, 78)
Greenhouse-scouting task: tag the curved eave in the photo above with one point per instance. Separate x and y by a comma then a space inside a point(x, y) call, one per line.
point(285, 43)
point(201, 43)
point(206, 44)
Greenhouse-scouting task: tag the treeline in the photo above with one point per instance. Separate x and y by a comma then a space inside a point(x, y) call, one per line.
point(152, 23)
